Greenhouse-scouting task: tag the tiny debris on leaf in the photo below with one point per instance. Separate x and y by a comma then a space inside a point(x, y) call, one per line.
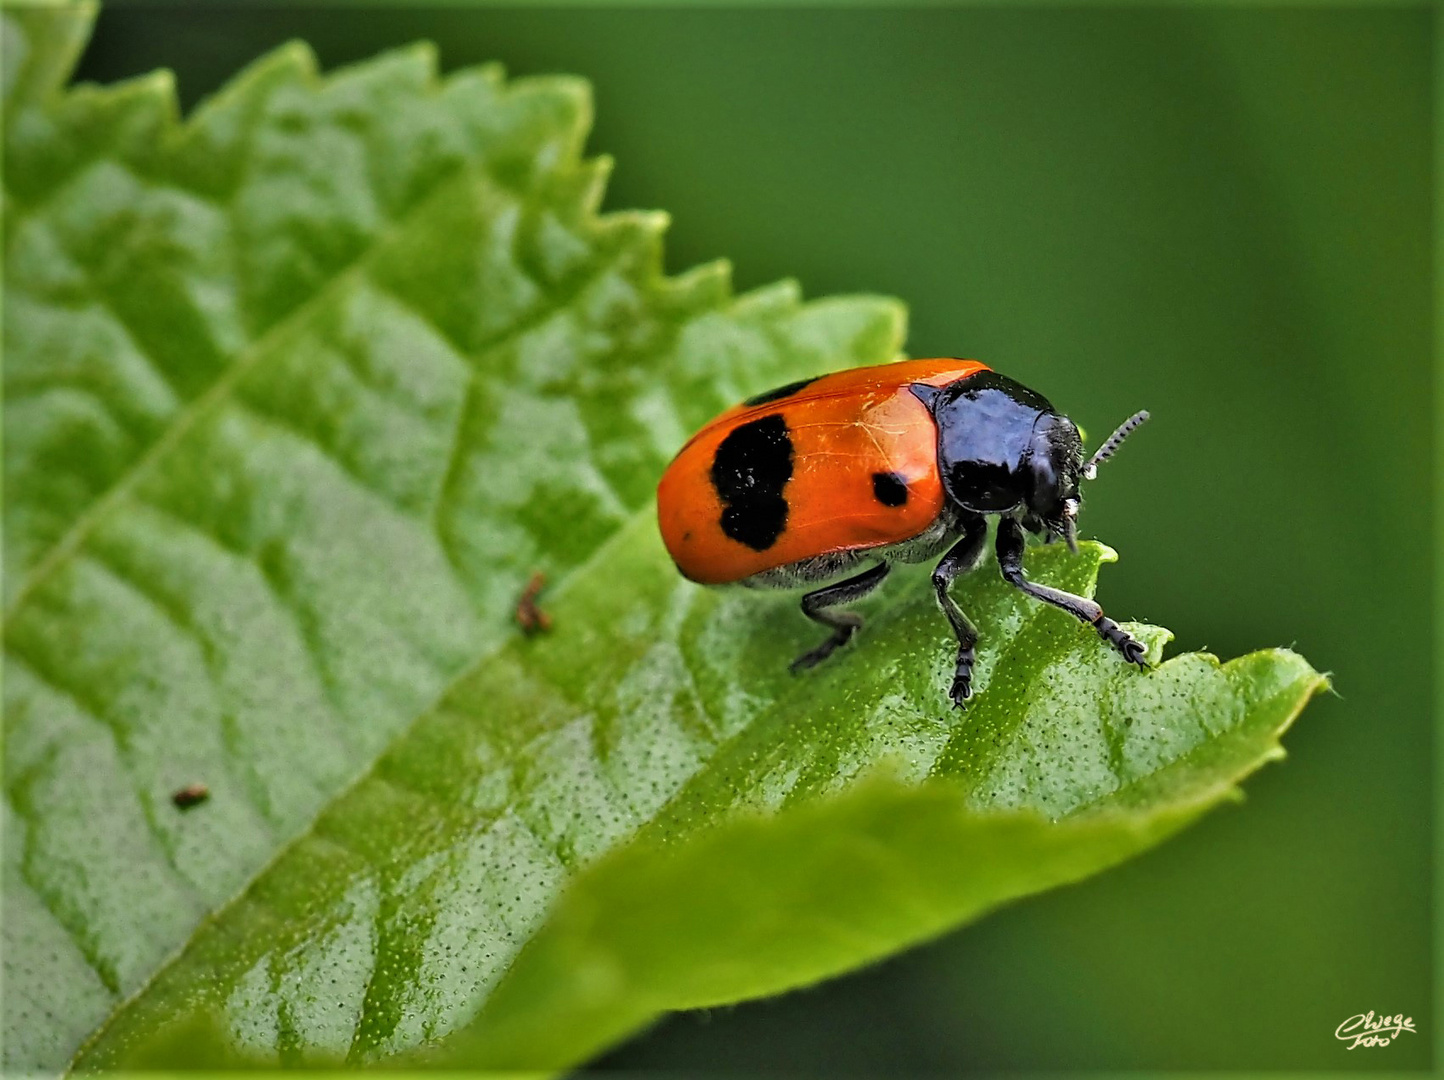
point(191, 795)
point(529, 617)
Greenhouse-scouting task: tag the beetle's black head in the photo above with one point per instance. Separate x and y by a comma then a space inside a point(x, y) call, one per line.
point(1056, 465)
point(1052, 469)
point(1003, 448)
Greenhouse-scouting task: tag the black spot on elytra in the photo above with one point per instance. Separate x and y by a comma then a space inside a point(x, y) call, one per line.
point(889, 488)
point(751, 468)
point(780, 392)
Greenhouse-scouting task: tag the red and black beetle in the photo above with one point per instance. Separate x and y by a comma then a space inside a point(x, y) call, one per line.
point(809, 483)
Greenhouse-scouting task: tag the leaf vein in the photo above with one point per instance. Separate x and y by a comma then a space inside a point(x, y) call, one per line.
point(220, 392)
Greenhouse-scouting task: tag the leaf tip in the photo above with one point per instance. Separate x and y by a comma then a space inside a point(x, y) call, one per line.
point(650, 223)
point(572, 92)
point(783, 294)
point(295, 55)
point(424, 53)
point(708, 284)
point(160, 82)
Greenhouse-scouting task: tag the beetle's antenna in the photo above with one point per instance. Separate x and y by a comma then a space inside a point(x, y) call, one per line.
point(1114, 441)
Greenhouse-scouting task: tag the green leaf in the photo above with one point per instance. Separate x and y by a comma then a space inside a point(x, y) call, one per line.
point(297, 396)
point(643, 811)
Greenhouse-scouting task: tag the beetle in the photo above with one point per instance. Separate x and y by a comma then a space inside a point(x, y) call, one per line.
point(828, 481)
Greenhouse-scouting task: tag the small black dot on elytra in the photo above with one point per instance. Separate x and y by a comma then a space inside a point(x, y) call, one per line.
point(889, 488)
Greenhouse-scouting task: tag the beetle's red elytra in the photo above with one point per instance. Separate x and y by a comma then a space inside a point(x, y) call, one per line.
point(828, 481)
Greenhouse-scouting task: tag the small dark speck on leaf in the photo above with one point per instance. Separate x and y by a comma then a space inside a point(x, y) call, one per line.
point(529, 617)
point(190, 795)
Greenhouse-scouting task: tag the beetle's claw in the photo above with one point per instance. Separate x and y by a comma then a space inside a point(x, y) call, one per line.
point(1135, 652)
point(962, 688)
point(1128, 646)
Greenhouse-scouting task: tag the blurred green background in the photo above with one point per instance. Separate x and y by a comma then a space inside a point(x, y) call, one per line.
point(1222, 215)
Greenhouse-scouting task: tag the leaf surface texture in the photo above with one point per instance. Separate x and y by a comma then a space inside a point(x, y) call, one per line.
point(299, 392)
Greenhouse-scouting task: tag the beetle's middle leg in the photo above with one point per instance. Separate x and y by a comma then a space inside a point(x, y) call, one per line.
point(843, 624)
point(961, 558)
point(1010, 561)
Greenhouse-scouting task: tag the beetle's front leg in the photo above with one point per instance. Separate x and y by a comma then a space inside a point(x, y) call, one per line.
point(1010, 561)
point(961, 558)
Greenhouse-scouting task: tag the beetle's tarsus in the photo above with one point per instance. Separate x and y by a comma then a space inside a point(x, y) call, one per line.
point(962, 688)
point(813, 657)
point(1132, 650)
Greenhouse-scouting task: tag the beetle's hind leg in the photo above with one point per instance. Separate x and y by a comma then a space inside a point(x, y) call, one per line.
point(1010, 561)
point(843, 624)
point(961, 558)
